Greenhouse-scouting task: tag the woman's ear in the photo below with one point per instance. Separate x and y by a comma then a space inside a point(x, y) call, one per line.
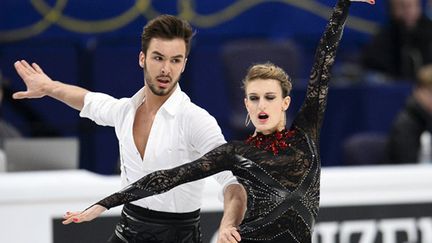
point(286, 103)
point(141, 59)
point(246, 104)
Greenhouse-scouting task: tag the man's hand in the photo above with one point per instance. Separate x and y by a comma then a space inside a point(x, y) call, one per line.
point(34, 78)
point(87, 215)
point(235, 200)
point(39, 85)
point(228, 234)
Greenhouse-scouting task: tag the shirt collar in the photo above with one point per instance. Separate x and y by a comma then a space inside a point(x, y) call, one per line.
point(173, 102)
point(170, 106)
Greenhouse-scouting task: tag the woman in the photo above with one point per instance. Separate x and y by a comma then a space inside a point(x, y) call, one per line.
point(279, 168)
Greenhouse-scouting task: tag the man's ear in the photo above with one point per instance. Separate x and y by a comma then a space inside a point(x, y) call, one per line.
point(141, 59)
point(184, 65)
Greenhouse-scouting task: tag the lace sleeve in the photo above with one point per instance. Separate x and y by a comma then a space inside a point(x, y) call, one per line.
point(215, 161)
point(311, 113)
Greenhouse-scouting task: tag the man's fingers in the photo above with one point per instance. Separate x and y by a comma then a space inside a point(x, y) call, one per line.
point(25, 95)
point(232, 239)
point(230, 235)
point(236, 235)
point(37, 68)
point(25, 68)
point(27, 65)
point(20, 95)
point(21, 69)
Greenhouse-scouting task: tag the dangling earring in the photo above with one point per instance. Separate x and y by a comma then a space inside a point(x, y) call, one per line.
point(247, 120)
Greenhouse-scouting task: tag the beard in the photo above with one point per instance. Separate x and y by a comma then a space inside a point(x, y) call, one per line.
point(151, 82)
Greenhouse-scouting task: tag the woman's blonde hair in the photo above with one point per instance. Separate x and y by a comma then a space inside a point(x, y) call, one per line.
point(268, 70)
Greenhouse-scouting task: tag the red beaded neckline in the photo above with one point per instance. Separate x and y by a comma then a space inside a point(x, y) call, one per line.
point(273, 142)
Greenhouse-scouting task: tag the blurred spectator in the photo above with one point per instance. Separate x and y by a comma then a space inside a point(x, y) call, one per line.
point(403, 45)
point(6, 129)
point(428, 9)
point(412, 121)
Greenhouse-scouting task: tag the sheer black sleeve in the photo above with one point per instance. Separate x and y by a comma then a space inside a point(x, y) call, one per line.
point(312, 111)
point(215, 161)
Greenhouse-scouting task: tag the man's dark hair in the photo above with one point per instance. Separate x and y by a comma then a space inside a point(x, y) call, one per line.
point(166, 27)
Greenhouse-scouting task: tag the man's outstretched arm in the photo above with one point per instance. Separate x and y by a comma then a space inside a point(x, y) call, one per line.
point(39, 85)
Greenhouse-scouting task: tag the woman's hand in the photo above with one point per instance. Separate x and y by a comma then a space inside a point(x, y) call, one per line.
point(87, 215)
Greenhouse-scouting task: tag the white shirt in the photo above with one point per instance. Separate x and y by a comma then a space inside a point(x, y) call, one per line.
point(181, 132)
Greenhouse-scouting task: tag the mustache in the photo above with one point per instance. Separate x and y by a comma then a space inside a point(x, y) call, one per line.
point(164, 76)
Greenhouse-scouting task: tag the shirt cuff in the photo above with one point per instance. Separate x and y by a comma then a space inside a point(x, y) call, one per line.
point(85, 110)
point(231, 181)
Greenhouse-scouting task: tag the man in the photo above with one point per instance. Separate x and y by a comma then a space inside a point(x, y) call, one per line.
point(158, 128)
point(6, 129)
point(401, 47)
point(414, 119)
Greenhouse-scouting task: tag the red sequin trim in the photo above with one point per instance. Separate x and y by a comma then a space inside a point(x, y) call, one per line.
point(272, 142)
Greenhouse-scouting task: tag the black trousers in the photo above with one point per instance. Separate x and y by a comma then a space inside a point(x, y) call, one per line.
point(138, 225)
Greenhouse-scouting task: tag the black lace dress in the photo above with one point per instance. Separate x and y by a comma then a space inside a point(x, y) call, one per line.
point(280, 171)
